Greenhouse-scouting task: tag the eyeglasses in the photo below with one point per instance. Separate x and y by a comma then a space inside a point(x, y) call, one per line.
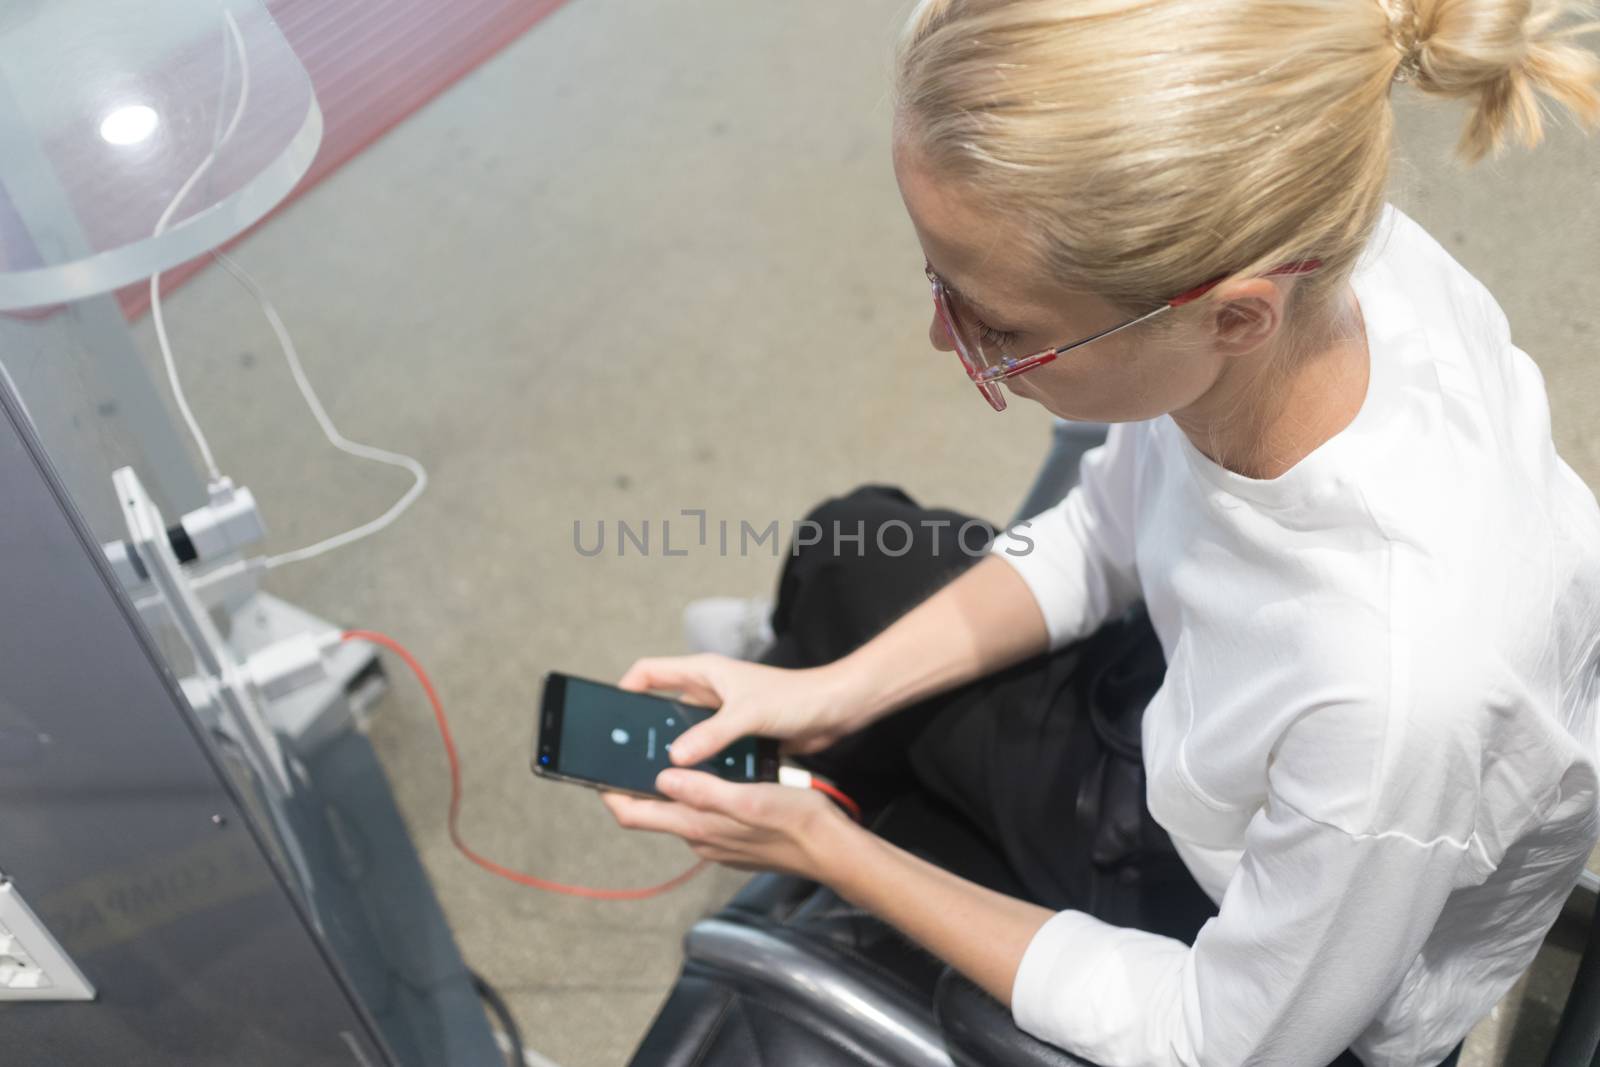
point(981, 348)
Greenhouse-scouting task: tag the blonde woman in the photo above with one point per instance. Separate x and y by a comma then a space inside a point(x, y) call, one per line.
point(1329, 479)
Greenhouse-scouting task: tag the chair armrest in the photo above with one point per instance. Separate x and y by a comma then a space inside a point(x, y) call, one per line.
point(979, 1032)
point(835, 992)
point(768, 897)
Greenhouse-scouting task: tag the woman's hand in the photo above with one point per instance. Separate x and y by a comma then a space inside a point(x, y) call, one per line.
point(800, 832)
point(807, 709)
point(751, 827)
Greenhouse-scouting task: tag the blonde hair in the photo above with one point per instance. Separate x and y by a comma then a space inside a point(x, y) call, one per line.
point(1141, 147)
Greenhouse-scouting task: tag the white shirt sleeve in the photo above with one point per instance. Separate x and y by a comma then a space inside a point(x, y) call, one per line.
point(1077, 557)
point(1316, 930)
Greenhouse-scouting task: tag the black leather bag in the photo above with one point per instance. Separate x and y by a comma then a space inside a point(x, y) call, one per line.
point(1050, 767)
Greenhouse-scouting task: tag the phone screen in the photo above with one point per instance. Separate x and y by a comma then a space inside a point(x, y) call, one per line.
point(615, 737)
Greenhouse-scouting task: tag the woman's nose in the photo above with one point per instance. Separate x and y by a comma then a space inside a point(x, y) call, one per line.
point(938, 336)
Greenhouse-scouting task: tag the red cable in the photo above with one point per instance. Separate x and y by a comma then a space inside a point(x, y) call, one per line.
point(466, 850)
point(837, 794)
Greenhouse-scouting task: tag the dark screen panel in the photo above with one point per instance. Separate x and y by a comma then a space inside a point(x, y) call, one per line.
point(119, 829)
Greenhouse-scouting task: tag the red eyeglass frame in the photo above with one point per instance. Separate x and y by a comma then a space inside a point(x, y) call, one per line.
point(988, 378)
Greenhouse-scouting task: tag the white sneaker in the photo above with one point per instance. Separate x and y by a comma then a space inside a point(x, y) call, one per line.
point(739, 627)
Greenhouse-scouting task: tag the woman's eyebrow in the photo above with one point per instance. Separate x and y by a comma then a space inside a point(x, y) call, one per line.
point(993, 317)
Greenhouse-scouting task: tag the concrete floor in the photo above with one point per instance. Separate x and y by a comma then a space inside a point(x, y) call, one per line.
point(651, 258)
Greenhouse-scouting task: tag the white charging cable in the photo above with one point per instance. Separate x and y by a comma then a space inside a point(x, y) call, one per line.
point(161, 225)
point(419, 474)
point(800, 778)
point(794, 777)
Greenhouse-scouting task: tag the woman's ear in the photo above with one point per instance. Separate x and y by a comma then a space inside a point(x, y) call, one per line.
point(1246, 315)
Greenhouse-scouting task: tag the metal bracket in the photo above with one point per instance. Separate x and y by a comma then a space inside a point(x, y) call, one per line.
point(147, 536)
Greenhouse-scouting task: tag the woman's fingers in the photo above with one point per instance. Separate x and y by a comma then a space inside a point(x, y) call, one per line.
point(708, 737)
point(670, 817)
point(683, 674)
point(693, 677)
point(658, 672)
point(658, 816)
point(749, 700)
point(705, 791)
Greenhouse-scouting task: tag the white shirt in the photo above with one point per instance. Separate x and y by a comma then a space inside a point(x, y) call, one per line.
point(1374, 744)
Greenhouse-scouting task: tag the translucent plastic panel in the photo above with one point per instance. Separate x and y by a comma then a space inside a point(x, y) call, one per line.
point(107, 110)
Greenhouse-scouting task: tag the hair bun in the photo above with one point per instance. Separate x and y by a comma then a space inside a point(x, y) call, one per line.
point(1404, 35)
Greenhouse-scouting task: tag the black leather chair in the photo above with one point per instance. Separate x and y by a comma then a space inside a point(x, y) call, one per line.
point(1577, 1040)
point(789, 975)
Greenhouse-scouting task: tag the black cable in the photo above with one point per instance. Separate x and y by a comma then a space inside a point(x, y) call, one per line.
point(497, 1008)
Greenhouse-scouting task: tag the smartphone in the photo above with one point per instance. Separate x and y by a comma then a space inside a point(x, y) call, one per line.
point(609, 738)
